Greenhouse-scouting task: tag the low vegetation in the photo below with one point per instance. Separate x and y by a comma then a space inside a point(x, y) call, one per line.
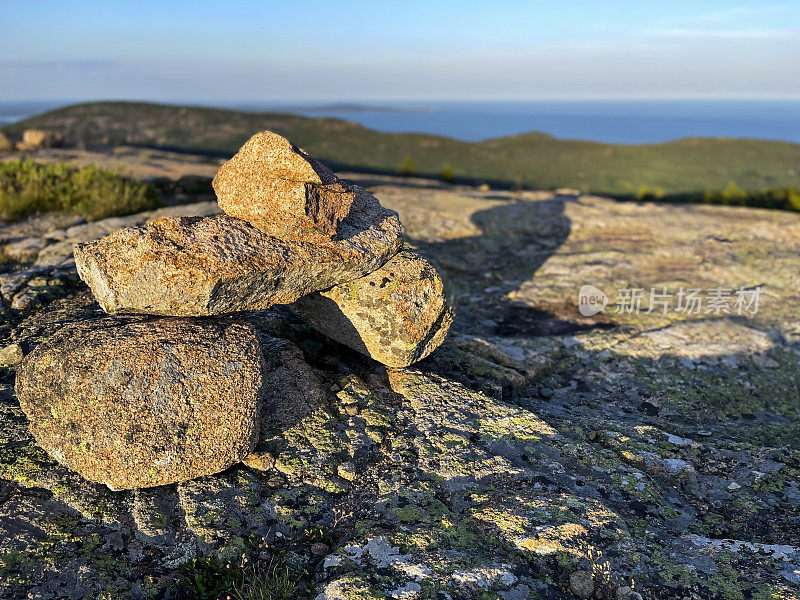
point(408, 168)
point(775, 198)
point(531, 161)
point(211, 578)
point(27, 187)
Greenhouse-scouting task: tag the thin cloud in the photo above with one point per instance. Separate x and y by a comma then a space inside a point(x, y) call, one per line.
point(59, 64)
point(726, 34)
point(757, 10)
point(736, 12)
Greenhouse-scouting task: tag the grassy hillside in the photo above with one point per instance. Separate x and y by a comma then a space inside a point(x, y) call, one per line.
point(530, 160)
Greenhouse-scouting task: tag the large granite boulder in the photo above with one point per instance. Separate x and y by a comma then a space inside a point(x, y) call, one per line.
point(139, 402)
point(217, 265)
point(281, 190)
point(397, 314)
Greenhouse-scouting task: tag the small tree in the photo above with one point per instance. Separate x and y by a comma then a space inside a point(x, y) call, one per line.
point(733, 194)
point(793, 199)
point(447, 174)
point(408, 168)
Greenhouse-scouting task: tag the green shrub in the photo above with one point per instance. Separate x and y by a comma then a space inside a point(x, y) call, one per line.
point(733, 194)
point(210, 578)
point(793, 199)
point(28, 187)
point(774, 198)
point(272, 582)
point(447, 174)
point(408, 168)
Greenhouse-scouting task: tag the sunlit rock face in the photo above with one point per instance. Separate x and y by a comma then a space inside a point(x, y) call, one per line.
point(397, 314)
point(134, 402)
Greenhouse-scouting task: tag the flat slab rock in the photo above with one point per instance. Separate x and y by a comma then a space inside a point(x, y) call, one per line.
point(186, 266)
point(397, 315)
point(141, 402)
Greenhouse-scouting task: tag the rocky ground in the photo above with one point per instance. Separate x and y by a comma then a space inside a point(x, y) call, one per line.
point(539, 453)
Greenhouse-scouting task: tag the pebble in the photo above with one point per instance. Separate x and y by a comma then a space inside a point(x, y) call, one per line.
point(26, 299)
point(319, 549)
point(347, 471)
point(24, 250)
point(764, 361)
point(650, 407)
point(11, 355)
point(581, 583)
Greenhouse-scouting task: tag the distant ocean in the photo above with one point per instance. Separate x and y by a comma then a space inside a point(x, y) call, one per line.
point(626, 122)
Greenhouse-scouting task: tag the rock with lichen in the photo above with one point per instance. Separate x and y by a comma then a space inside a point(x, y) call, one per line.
point(521, 452)
point(139, 402)
point(188, 266)
point(397, 314)
point(294, 389)
point(282, 191)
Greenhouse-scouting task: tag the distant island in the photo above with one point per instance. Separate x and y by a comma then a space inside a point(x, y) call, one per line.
point(532, 160)
point(352, 108)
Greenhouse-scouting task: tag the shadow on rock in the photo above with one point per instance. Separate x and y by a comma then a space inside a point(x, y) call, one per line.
point(515, 241)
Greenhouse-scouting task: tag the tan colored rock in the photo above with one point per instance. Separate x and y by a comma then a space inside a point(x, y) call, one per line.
point(38, 138)
point(6, 145)
point(397, 315)
point(260, 461)
point(218, 265)
point(347, 471)
point(286, 209)
point(11, 355)
point(25, 250)
point(282, 191)
point(140, 402)
point(275, 156)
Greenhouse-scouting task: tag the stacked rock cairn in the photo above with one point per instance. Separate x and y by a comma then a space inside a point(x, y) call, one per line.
point(174, 386)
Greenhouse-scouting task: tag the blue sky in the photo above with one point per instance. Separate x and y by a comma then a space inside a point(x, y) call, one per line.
point(413, 50)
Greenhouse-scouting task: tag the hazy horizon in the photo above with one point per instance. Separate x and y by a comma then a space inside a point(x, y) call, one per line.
point(366, 52)
point(610, 121)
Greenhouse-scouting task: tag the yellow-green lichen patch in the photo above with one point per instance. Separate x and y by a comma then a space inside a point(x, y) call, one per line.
point(733, 575)
point(544, 524)
point(354, 586)
point(311, 450)
point(507, 423)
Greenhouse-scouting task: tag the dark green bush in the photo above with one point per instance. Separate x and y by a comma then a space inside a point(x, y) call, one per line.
point(28, 187)
point(776, 198)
